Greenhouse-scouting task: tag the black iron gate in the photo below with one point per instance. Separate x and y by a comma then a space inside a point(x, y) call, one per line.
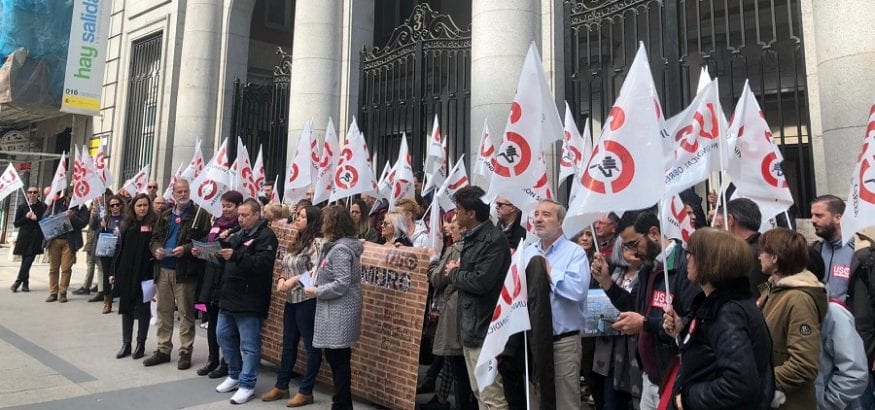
point(260, 118)
point(424, 69)
point(735, 39)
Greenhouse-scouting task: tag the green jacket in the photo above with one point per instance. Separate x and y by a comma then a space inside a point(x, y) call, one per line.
point(794, 309)
point(188, 268)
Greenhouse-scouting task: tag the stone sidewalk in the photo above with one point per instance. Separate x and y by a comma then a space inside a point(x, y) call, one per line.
point(63, 356)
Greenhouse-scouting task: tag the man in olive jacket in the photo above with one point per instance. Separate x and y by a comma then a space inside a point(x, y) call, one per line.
point(177, 274)
point(479, 276)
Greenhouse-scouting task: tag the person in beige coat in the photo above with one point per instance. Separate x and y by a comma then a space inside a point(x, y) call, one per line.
point(794, 303)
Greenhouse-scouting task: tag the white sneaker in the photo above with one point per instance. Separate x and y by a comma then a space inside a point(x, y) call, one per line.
point(242, 395)
point(227, 386)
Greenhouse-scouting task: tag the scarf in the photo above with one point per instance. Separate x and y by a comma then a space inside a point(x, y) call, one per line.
point(222, 223)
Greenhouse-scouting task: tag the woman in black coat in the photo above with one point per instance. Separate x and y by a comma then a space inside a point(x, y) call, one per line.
point(131, 267)
point(29, 242)
point(726, 350)
point(211, 283)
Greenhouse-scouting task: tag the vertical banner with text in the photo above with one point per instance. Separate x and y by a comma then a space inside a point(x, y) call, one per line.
point(86, 57)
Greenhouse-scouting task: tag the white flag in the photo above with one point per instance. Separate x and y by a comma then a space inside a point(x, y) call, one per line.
point(209, 186)
point(168, 193)
point(484, 166)
point(87, 184)
point(137, 183)
point(435, 237)
point(576, 149)
point(511, 316)
point(9, 182)
point(402, 179)
point(457, 180)
point(533, 123)
point(697, 132)
point(102, 167)
point(860, 211)
point(59, 181)
point(675, 221)
point(384, 187)
point(754, 163)
point(298, 176)
point(245, 178)
point(196, 165)
point(274, 195)
point(435, 167)
point(258, 174)
point(626, 169)
point(353, 174)
point(327, 164)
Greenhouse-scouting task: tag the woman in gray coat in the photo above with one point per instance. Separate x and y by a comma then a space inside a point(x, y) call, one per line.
point(338, 293)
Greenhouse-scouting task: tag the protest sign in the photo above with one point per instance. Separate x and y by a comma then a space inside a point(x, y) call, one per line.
point(385, 361)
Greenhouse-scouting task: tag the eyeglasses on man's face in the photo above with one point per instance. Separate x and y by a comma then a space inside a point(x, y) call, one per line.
point(32, 192)
point(501, 204)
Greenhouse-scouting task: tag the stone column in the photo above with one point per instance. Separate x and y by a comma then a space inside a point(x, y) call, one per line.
point(199, 84)
point(839, 58)
point(358, 32)
point(314, 91)
point(235, 55)
point(501, 31)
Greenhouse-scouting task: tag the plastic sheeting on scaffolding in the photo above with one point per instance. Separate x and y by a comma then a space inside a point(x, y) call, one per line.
point(34, 38)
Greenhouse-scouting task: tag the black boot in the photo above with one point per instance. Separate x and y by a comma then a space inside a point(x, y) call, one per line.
point(220, 371)
point(124, 351)
point(127, 333)
point(25, 286)
point(140, 351)
point(143, 316)
point(15, 286)
point(212, 364)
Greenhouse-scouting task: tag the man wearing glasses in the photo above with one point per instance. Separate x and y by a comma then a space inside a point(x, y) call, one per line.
point(152, 189)
point(509, 218)
point(642, 309)
point(29, 242)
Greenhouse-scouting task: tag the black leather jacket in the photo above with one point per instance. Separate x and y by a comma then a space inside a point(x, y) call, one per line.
point(482, 267)
point(726, 352)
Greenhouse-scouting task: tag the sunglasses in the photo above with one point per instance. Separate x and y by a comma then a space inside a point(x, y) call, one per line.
point(115, 205)
point(152, 187)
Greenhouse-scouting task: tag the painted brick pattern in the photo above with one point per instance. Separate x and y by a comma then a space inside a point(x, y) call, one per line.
point(385, 360)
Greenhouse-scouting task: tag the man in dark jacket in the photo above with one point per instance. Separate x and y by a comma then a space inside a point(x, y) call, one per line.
point(479, 276)
point(245, 299)
point(62, 249)
point(743, 222)
point(177, 274)
point(641, 310)
point(29, 242)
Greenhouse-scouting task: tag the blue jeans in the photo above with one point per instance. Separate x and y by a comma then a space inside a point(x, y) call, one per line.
point(298, 322)
point(241, 332)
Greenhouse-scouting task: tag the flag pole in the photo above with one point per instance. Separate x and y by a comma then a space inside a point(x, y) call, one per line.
point(526, 358)
point(722, 149)
point(664, 245)
point(595, 239)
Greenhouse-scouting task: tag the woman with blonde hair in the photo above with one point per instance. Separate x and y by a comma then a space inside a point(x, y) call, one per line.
point(412, 212)
point(395, 230)
point(273, 212)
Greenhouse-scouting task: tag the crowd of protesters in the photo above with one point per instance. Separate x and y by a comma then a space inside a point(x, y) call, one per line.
point(732, 319)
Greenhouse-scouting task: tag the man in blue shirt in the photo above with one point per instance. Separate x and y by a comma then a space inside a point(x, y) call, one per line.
point(568, 269)
point(177, 279)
